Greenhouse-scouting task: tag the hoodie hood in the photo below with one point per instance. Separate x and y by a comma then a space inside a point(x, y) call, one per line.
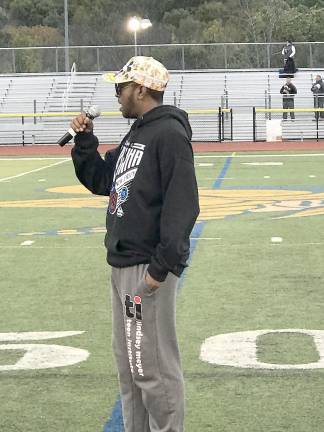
point(165, 112)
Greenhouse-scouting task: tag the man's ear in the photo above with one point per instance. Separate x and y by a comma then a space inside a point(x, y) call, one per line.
point(142, 92)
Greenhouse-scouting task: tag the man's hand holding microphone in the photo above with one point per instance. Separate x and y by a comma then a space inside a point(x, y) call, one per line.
point(81, 123)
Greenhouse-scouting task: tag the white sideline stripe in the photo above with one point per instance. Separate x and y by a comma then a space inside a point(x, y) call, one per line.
point(236, 245)
point(262, 163)
point(52, 247)
point(205, 238)
point(35, 170)
point(196, 156)
point(260, 155)
point(32, 159)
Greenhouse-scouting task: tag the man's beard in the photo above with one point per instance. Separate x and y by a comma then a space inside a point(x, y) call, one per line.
point(130, 111)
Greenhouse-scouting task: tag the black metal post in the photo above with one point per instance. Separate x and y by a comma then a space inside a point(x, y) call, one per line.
point(35, 110)
point(266, 103)
point(223, 126)
point(219, 124)
point(254, 125)
point(231, 124)
point(23, 130)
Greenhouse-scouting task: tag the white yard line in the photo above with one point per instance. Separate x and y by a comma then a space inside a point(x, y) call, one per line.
point(260, 155)
point(33, 171)
point(205, 238)
point(51, 247)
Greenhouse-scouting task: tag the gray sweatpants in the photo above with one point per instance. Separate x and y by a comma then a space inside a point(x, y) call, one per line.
point(146, 351)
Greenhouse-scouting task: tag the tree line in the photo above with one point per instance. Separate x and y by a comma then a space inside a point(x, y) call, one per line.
point(103, 22)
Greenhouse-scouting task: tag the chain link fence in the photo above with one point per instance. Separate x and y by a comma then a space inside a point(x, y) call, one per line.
point(174, 56)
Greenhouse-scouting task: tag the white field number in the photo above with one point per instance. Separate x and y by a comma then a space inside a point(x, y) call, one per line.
point(41, 356)
point(240, 349)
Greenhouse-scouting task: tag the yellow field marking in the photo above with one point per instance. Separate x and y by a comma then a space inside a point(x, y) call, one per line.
point(91, 202)
point(74, 189)
point(214, 203)
point(98, 230)
point(69, 231)
point(64, 232)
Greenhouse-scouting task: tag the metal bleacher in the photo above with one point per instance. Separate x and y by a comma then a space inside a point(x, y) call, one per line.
point(193, 91)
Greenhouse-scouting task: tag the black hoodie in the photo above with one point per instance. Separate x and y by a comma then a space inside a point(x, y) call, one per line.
point(318, 87)
point(151, 181)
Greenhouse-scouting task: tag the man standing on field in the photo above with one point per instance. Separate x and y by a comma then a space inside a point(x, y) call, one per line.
point(153, 205)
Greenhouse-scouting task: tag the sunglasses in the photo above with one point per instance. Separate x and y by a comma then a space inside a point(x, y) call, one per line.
point(119, 87)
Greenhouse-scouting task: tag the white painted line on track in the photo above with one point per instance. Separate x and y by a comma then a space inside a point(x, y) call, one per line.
point(35, 170)
point(262, 163)
point(238, 156)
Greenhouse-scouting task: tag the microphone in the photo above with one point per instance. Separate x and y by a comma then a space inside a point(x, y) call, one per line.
point(93, 112)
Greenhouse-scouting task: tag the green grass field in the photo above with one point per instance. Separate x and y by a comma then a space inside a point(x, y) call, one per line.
point(257, 265)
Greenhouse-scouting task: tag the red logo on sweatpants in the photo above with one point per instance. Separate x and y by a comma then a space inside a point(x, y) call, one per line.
point(129, 305)
point(137, 300)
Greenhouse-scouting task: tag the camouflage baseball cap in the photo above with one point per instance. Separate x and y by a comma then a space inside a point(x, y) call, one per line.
point(145, 71)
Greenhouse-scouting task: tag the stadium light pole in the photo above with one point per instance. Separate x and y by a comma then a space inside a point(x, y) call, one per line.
point(66, 36)
point(135, 24)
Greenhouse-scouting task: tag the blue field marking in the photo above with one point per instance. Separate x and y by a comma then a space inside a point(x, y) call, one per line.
point(195, 234)
point(115, 423)
point(218, 182)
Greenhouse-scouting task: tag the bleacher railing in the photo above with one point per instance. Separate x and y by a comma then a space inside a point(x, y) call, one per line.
point(234, 55)
point(288, 124)
point(28, 128)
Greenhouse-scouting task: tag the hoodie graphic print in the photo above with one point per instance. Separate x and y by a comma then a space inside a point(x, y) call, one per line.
point(126, 167)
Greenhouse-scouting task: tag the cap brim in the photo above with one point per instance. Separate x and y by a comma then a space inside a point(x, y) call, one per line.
point(109, 77)
point(114, 78)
